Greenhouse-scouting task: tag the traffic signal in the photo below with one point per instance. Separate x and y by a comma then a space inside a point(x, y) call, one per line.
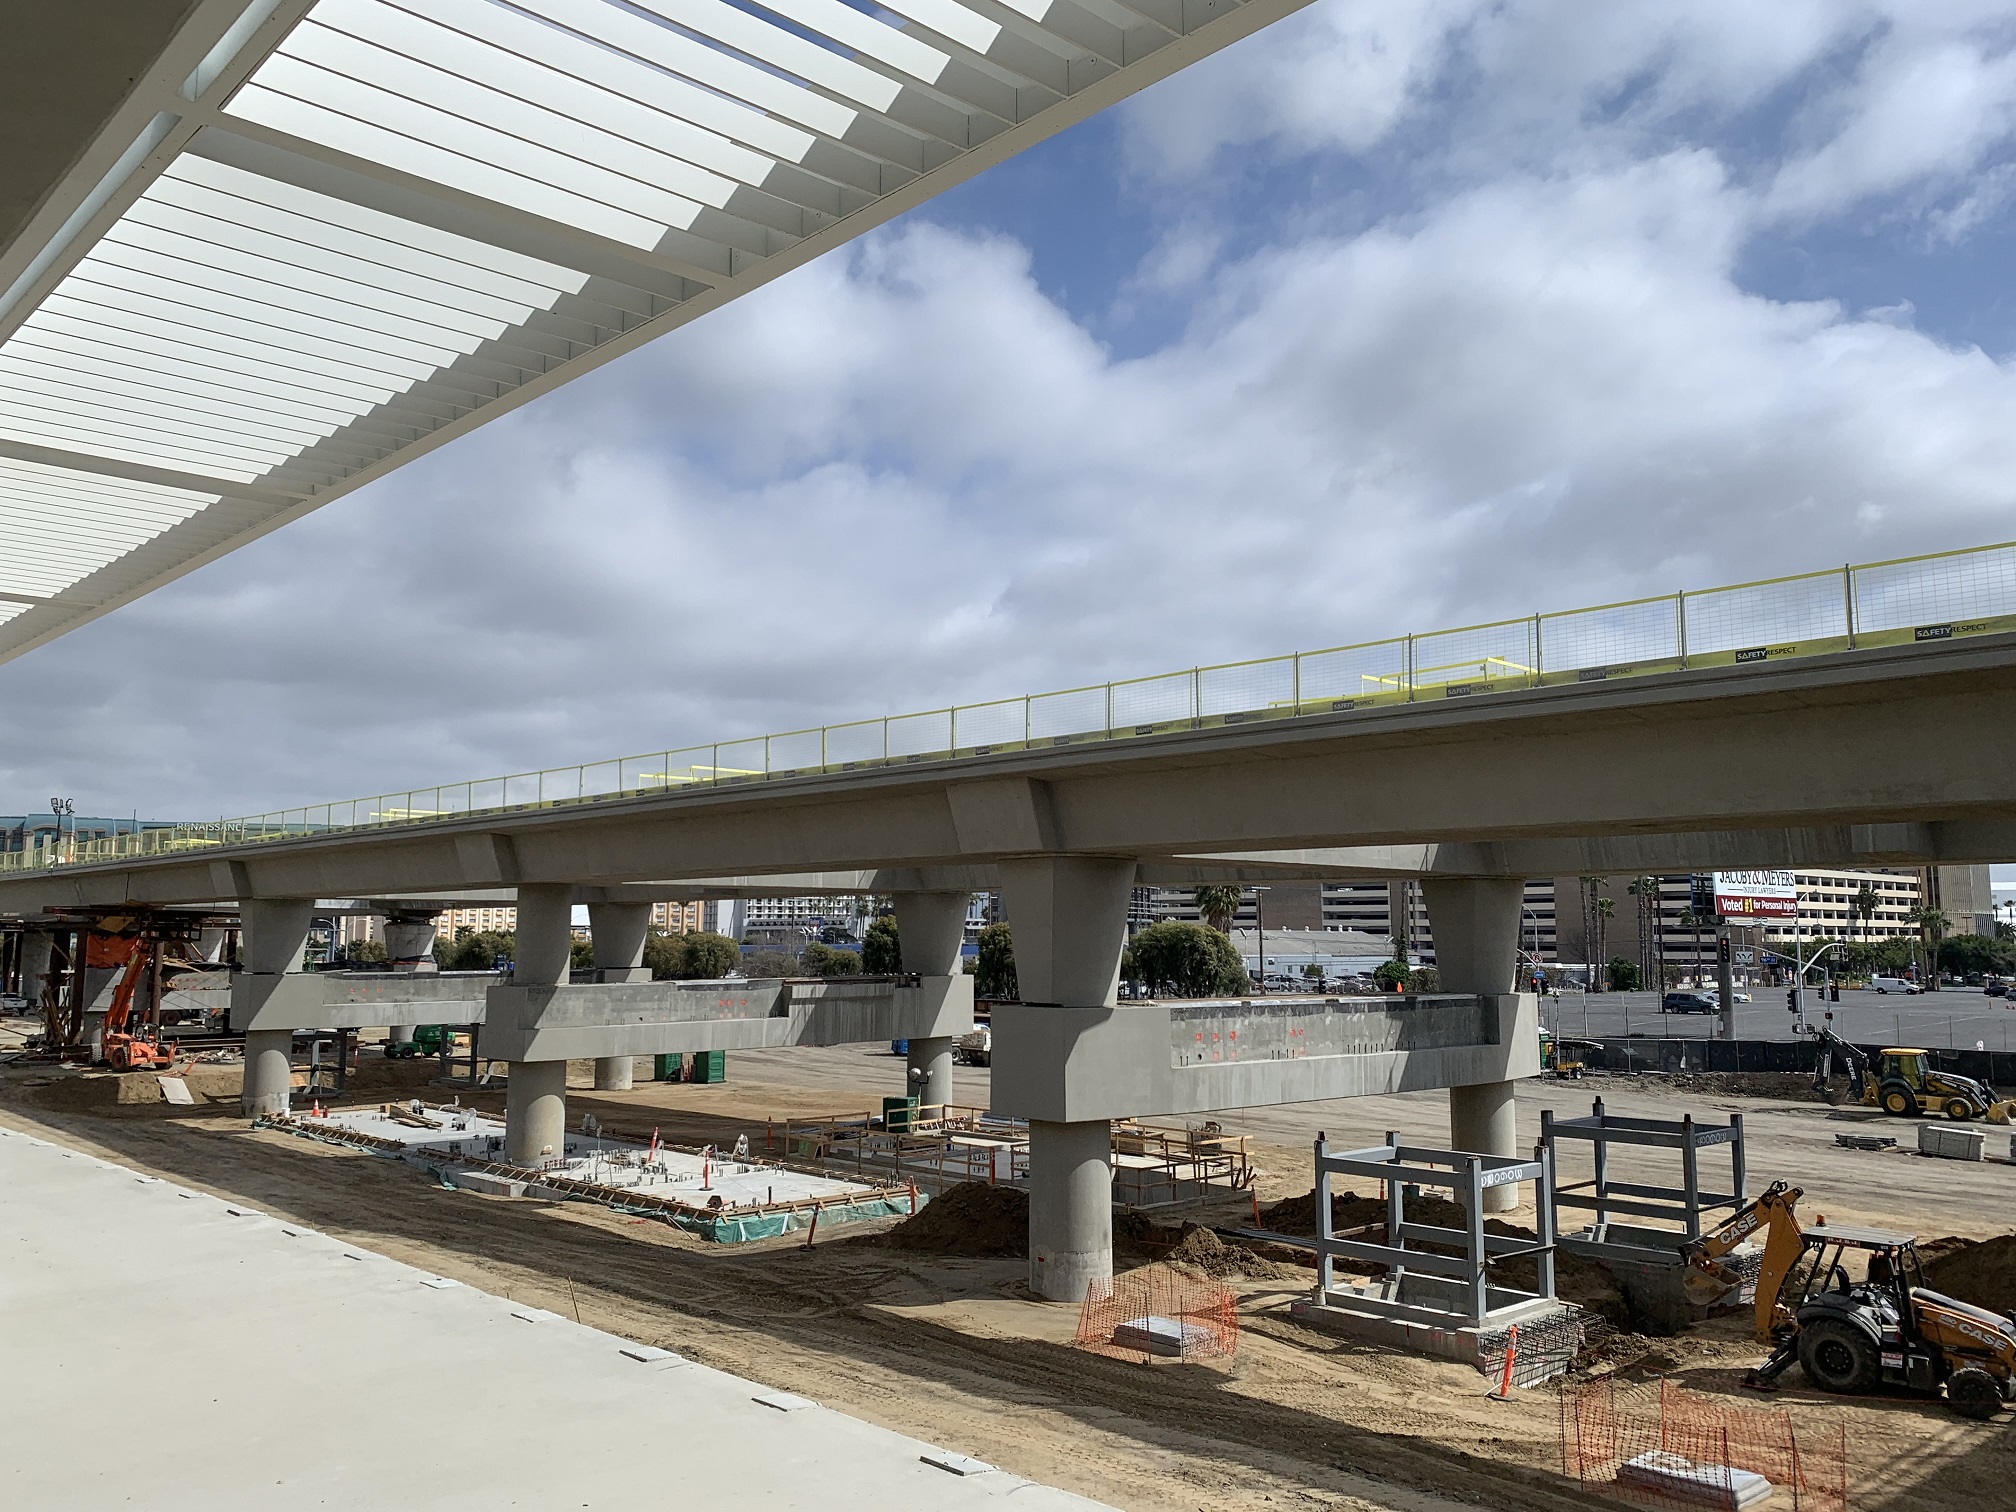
point(1792, 998)
point(1722, 952)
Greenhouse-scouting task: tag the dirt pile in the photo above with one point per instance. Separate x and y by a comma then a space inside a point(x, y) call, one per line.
point(1199, 1249)
point(972, 1219)
point(1983, 1274)
point(1785, 1086)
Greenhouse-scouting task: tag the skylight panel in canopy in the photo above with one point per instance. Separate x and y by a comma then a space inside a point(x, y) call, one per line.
point(321, 237)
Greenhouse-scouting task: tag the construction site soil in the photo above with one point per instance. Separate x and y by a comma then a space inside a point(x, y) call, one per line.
point(932, 1340)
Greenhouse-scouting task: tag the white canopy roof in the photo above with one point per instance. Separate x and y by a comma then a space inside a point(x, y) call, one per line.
point(319, 237)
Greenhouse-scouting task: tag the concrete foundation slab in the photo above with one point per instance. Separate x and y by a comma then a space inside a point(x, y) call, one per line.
point(281, 1330)
point(1479, 1347)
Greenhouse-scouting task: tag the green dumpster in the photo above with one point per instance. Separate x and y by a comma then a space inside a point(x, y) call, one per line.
point(668, 1067)
point(899, 1113)
point(710, 1066)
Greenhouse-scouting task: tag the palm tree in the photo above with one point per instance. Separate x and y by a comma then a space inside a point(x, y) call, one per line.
point(1606, 910)
point(1646, 891)
point(1864, 906)
point(1932, 926)
point(1219, 906)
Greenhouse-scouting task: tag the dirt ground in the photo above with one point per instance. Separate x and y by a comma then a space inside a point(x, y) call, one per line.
point(955, 1350)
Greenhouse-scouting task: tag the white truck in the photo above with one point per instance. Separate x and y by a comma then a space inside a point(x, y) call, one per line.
point(975, 1049)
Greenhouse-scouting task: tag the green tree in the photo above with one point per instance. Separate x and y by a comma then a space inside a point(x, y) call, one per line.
point(1606, 910)
point(994, 972)
point(581, 955)
point(1864, 906)
point(1623, 975)
point(881, 950)
point(1977, 955)
point(1219, 906)
point(693, 956)
point(821, 959)
point(1189, 961)
point(477, 950)
point(663, 954)
point(1425, 979)
point(1392, 976)
point(770, 963)
point(364, 953)
point(1933, 925)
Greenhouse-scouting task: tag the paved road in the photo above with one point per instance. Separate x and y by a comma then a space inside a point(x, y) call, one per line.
point(1957, 1018)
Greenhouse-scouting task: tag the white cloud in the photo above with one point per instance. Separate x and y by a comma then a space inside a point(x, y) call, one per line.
point(902, 476)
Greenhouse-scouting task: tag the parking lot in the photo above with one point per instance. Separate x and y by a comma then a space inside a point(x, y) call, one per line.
point(1955, 1018)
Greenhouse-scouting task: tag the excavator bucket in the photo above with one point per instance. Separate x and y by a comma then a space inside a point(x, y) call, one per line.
point(2001, 1112)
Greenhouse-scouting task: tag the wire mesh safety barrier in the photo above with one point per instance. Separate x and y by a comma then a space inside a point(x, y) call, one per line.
point(1916, 600)
point(1159, 1313)
point(1660, 1445)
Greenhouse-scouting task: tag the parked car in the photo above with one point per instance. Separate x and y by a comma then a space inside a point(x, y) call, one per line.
point(1686, 1002)
point(1895, 984)
point(1997, 989)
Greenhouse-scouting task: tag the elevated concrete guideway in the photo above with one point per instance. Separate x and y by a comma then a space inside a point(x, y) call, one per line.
point(1893, 752)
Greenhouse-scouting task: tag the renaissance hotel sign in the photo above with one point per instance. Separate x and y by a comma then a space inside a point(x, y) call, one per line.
point(1756, 895)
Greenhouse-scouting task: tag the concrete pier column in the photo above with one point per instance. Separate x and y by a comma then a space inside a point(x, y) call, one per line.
point(37, 946)
point(618, 931)
point(931, 928)
point(275, 933)
point(1069, 915)
point(1475, 924)
point(1070, 1208)
point(409, 943)
point(535, 1100)
point(269, 1069)
point(210, 944)
point(535, 1112)
point(615, 1073)
point(928, 1071)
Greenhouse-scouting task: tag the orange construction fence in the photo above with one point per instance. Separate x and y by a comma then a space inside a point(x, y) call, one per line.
point(1661, 1445)
point(1159, 1313)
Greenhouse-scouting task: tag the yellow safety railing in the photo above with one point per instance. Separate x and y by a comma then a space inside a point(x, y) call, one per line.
point(1911, 600)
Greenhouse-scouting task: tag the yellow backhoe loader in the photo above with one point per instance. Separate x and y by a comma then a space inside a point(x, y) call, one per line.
point(1886, 1330)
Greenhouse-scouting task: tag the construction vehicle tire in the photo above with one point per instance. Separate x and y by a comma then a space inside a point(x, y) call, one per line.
point(1838, 1356)
point(1974, 1393)
point(1959, 1109)
point(1899, 1102)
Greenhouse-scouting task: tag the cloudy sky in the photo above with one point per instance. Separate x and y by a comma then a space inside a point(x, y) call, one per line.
point(1401, 314)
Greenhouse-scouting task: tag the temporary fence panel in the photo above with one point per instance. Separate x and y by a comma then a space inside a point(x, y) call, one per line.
point(1159, 1313)
point(1660, 1445)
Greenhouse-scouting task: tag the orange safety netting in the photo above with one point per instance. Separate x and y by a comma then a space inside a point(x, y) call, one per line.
point(1159, 1313)
point(1664, 1446)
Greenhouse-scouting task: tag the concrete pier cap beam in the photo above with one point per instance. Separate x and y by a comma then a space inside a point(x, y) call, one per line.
point(931, 929)
point(1475, 924)
point(275, 937)
point(619, 932)
point(1069, 915)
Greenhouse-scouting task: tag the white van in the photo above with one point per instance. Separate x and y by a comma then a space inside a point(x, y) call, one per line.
point(1894, 984)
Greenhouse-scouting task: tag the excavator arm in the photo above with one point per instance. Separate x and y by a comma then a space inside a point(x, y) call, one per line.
point(1710, 1278)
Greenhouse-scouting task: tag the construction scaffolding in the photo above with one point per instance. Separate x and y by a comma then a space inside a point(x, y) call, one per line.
point(1646, 1257)
point(1682, 1205)
point(1430, 1286)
